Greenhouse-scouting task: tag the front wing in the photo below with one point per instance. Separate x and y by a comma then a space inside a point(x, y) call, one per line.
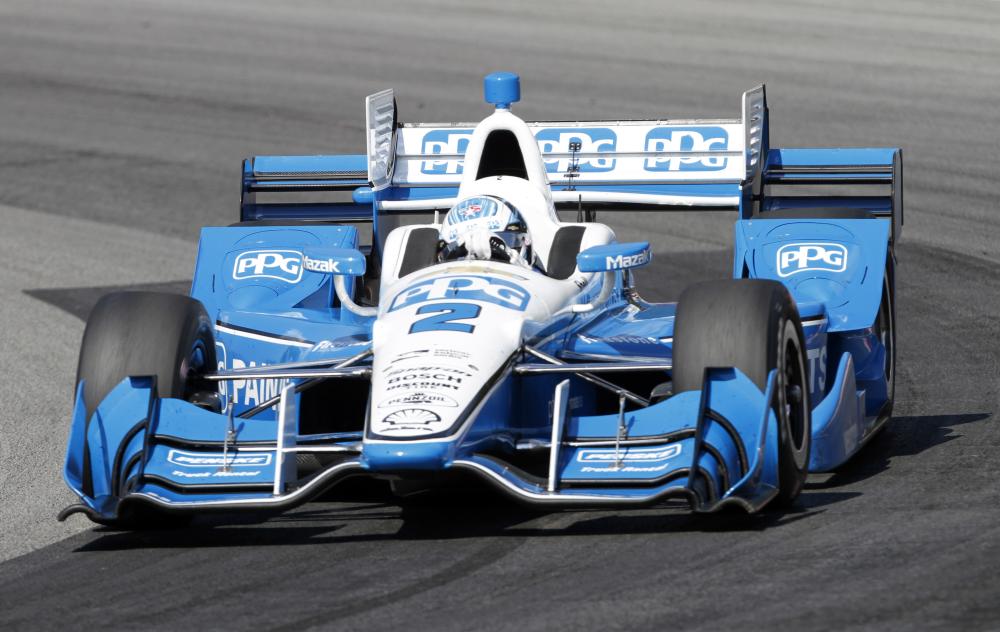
point(713, 448)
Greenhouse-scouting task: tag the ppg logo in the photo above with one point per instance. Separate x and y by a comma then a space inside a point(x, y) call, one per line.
point(686, 140)
point(283, 265)
point(804, 257)
point(448, 143)
point(470, 288)
point(556, 140)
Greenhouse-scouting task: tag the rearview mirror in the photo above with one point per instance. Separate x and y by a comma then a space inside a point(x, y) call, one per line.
point(614, 257)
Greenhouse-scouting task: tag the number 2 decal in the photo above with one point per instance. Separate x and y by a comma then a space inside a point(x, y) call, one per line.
point(444, 316)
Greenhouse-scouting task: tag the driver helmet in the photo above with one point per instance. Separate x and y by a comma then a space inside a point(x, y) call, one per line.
point(485, 212)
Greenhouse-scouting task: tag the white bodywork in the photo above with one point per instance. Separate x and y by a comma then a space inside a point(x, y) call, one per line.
point(444, 331)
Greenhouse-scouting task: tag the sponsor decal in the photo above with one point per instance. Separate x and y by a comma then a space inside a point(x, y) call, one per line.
point(621, 339)
point(466, 287)
point(686, 140)
point(408, 355)
point(620, 262)
point(255, 391)
point(437, 378)
point(217, 459)
point(423, 369)
point(411, 417)
point(219, 474)
point(339, 343)
point(817, 369)
point(425, 384)
point(557, 140)
point(427, 399)
point(330, 266)
point(448, 143)
point(453, 354)
point(826, 256)
point(283, 265)
point(637, 460)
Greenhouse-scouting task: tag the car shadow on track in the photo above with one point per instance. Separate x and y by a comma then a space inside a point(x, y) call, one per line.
point(370, 515)
point(442, 518)
point(902, 436)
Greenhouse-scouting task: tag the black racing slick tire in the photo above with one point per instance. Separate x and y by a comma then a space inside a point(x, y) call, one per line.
point(885, 329)
point(752, 325)
point(168, 336)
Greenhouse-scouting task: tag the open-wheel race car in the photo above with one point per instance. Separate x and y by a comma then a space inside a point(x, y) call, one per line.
point(496, 341)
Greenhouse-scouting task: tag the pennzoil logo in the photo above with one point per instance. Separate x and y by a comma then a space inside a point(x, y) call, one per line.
point(431, 399)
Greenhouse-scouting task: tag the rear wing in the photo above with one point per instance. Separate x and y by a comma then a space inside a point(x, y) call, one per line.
point(656, 164)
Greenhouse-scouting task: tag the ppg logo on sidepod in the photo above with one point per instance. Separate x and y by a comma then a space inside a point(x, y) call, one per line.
point(283, 265)
point(810, 256)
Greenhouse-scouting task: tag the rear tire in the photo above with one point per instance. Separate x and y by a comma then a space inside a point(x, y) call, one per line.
point(752, 325)
point(885, 329)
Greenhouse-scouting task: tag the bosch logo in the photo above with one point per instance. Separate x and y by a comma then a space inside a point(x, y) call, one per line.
point(811, 256)
point(695, 140)
point(592, 141)
point(283, 265)
point(450, 144)
point(472, 288)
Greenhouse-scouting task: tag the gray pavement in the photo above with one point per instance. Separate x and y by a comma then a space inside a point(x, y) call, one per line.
point(121, 129)
point(40, 350)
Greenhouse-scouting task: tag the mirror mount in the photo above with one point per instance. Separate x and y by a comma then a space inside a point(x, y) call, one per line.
point(341, 263)
point(609, 259)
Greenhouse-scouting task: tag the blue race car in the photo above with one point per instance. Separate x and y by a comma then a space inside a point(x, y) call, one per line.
point(328, 335)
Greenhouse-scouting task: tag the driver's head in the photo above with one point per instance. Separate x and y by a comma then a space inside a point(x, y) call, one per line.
point(484, 212)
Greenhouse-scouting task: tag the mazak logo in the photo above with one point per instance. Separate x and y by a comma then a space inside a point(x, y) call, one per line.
point(202, 459)
point(823, 256)
point(450, 144)
point(556, 140)
point(621, 262)
point(283, 265)
point(328, 266)
point(470, 288)
point(695, 140)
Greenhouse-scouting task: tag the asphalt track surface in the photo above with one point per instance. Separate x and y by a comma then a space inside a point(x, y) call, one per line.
point(121, 129)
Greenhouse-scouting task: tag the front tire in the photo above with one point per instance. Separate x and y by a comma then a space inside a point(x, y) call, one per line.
point(752, 325)
point(168, 336)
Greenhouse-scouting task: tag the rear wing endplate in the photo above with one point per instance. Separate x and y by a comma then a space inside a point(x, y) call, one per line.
point(871, 178)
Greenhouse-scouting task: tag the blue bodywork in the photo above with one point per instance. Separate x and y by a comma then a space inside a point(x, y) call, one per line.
point(713, 448)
